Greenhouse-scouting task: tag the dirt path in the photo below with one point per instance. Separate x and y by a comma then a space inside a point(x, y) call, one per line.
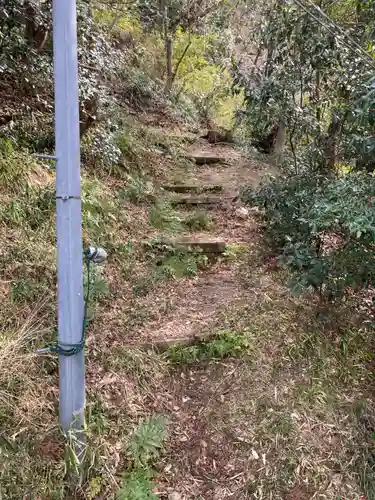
point(278, 423)
point(197, 301)
point(290, 417)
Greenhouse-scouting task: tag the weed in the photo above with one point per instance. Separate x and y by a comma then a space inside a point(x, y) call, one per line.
point(139, 146)
point(143, 449)
point(178, 263)
point(99, 151)
point(135, 315)
point(279, 424)
point(99, 210)
point(137, 485)
point(174, 262)
point(225, 344)
point(235, 252)
point(125, 250)
point(164, 217)
point(143, 368)
point(14, 167)
point(34, 208)
point(124, 256)
point(138, 190)
point(98, 288)
point(25, 290)
point(157, 246)
point(198, 221)
point(126, 144)
point(143, 286)
point(146, 441)
point(85, 461)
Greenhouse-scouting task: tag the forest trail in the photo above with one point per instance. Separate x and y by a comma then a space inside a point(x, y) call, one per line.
point(221, 168)
point(273, 423)
point(267, 407)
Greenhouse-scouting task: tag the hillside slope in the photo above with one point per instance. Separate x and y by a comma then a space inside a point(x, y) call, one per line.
point(199, 351)
point(207, 379)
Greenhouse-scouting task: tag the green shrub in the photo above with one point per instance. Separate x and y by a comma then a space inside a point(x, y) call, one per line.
point(322, 229)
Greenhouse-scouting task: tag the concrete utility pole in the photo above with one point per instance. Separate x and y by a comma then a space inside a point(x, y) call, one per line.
point(68, 213)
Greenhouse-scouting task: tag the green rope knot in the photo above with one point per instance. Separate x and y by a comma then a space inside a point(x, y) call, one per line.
point(65, 349)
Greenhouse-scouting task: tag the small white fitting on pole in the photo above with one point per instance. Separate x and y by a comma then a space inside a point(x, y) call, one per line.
point(68, 213)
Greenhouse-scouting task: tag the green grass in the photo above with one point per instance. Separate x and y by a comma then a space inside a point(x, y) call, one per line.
point(235, 252)
point(179, 263)
point(15, 167)
point(167, 263)
point(224, 344)
point(163, 216)
point(26, 290)
point(197, 221)
point(138, 190)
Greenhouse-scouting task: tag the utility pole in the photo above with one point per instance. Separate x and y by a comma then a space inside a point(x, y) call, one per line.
point(68, 214)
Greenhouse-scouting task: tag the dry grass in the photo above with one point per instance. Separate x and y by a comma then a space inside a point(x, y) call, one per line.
point(294, 420)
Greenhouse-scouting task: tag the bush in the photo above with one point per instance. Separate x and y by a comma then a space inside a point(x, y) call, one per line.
point(99, 148)
point(322, 229)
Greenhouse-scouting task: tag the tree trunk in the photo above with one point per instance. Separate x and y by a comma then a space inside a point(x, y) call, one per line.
point(278, 147)
point(331, 144)
point(35, 35)
point(174, 74)
point(164, 26)
point(168, 53)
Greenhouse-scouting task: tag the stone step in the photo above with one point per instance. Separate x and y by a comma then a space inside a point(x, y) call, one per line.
point(205, 244)
point(162, 345)
point(193, 188)
point(197, 200)
point(206, 158)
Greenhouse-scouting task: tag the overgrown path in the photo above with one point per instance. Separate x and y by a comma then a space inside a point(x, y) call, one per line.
point(276, 404)
point(211, 187)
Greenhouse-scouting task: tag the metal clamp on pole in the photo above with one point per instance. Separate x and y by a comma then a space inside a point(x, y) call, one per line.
point(46, 157)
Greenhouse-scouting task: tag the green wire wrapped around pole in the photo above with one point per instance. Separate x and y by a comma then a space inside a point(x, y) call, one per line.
point(63, 349)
